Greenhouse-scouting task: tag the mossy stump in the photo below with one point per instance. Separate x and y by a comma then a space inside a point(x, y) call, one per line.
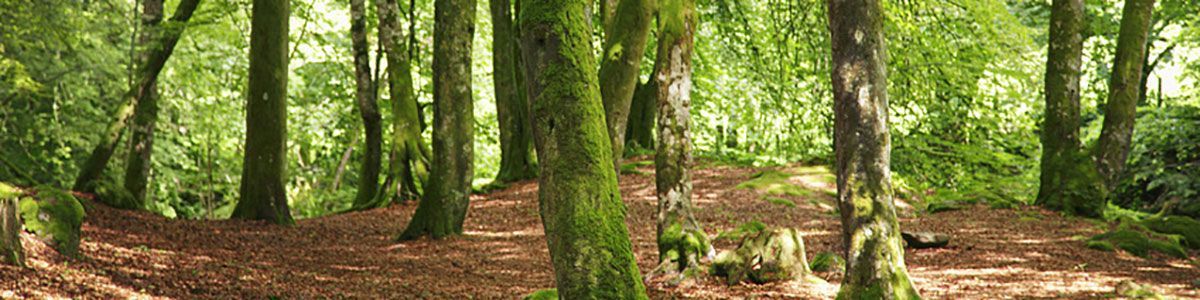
point(56, 217)
point(768, 256)
point(1138, 241)
point(11, 251)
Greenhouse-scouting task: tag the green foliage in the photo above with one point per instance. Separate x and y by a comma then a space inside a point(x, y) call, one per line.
point(113, 193)
point(1162, 171)
point(546, 294)
point(56, 217)
point(827, 261)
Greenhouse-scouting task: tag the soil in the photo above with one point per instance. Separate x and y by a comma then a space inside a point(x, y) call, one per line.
point(995, 253)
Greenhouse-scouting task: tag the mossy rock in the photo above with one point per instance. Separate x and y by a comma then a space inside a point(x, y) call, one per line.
point(827, 261)
point(56, 217)
point(546, 294)
point(1186, 227)
point(769, 256)
point(1139, 243)
point(113, 194)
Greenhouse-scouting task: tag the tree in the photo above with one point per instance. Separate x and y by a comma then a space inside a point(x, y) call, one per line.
point(444, 205)
point(512, 113)
point(1069, 179)
point(148, 72)
point(862, 147)
point(368, 108)
point(408, 156)
point(1124, 90)
point(580, 204)
point(681, 240)
point(263, 193)
point(624, 46)
point(137, 166)
point(639, 130)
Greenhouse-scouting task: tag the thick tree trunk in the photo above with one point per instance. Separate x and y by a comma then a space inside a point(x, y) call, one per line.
point(408, 161)
point(1124, 90)
point(368, 108)
point(624, 47)
point(444, 205)
point(862, 146)
point(580, 204)
point(137, 166)
point(516, 138)
point(681, 240)
point(11, 251)
point(264, 165)
point(148, 74)
point(1069, 179)
point(642, 115)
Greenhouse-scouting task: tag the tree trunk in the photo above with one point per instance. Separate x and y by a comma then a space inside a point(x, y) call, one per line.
point(368, 108)
point(148, 74)
point(408, 161)
point(263, 188)
point(516, 138)
point(444, 205)
point(1124, 90)
point(642, 115)
point(1069, 179)
point(580, 204)
point(11, 250)
point(624, 47)
point(862, 146)
point(681, 240)
point(145, 115)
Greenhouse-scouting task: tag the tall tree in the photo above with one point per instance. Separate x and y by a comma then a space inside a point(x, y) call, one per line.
point(1124, 89)
point(516, 138)
point(1069, 179)
point(368, 108)
point(408, 160)
point(624, 47)
point(580, 204)
point(681, 240)
point(264, 163)
point(147, 76)
point(639, 130)
point(444, 205)
point(137, 166)
point(862, 148)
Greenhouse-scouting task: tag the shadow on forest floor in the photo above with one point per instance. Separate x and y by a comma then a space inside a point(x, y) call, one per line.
point(1006, 253)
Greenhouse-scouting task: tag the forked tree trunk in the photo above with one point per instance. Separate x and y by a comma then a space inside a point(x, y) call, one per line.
point(263, 193)
point(862, 146)
point(444, 205)
point(512, 113)
point(145, 115)
point(147, 75)
point(1124, 90)
point(580, 204)
point(1069, 179)
point(408, 161)
point(624, 47)
point(368, 108)
point(639, 132)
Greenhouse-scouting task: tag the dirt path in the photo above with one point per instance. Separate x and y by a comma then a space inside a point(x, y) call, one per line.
point(1022, 253)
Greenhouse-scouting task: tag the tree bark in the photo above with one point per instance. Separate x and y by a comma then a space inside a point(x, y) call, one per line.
point(580, 204)
point(681, 241)
point(624, 47)
point(1069, 179)
point(639, 132)
point(11, 250)
point(862, 147)
point(148, 74)
point(368, 108)
point(138, 164)
point(1124, 90)
point(516, 138)
point(444, 205)
point(263, 188)
point(408, 160)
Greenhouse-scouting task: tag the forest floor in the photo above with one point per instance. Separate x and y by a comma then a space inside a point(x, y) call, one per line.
point(995, 253)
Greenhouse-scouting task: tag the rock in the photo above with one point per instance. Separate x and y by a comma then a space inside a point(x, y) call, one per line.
point(56, 217)
point(924, 239)
point(768, 256)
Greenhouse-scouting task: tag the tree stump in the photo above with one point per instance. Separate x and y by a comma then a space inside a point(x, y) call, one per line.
point(770, 255)
point(11, 250)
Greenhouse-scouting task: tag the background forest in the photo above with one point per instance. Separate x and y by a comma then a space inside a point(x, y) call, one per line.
point(965, 86)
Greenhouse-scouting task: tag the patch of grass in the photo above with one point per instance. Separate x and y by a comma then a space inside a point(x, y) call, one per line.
point(780, 201)
point(546, 294)
point(632, 167)
point(751, 227)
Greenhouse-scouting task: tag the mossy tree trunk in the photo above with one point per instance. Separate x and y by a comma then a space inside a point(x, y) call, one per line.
point(137, 165)
point(516, 138)
point(624, 48)
point(408, 161)
point(639, 132)
point(579, 201)
point(365, 97)
point(681, 240)
point(11, 250)
point(1069, 179)
point(444, 205)
point(148, 72)
point(264, 164)
point(1124, 90)
point(862, 148)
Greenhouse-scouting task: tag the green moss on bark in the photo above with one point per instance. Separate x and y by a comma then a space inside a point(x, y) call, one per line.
point(11, 250)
